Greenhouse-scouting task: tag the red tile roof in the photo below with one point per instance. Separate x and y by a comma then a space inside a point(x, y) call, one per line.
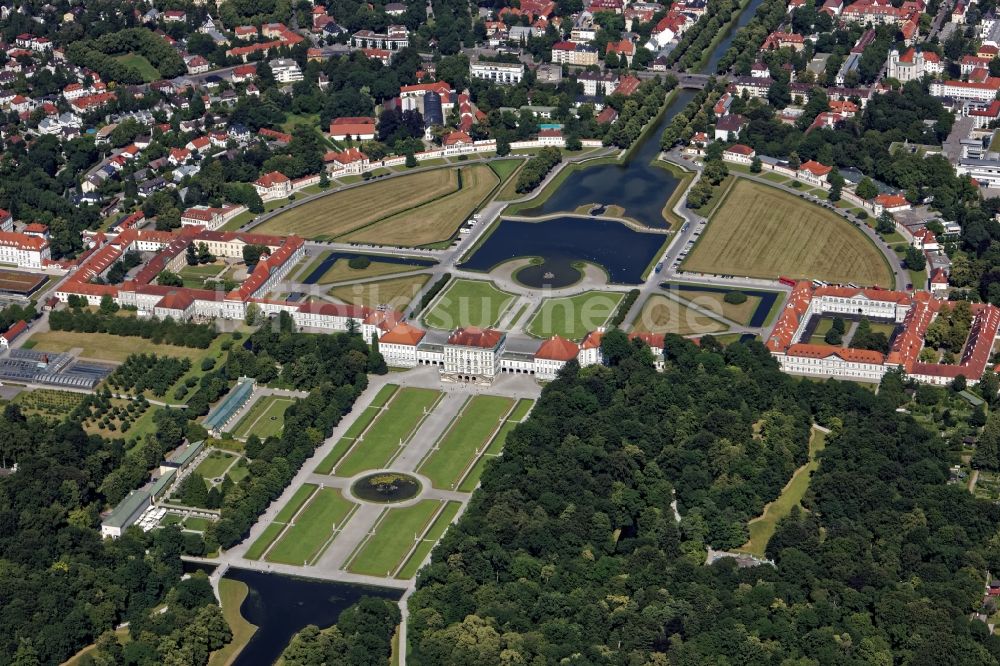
point(825, 351)
point(15, 330)
point(472, 336)
point(403, 334)
point(557, 349)
point(815, 168)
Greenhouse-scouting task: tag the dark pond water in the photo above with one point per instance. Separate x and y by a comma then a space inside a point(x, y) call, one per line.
point(638, 186)
point(282, 605)
point(318, 272)
point(623, 252)
point(386, 487)
point(767, 298)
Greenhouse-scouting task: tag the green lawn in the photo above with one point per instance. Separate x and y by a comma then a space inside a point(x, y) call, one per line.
point(294, 504)
point(573, 317)
point(194, 276)
point(265, 539)
point(762, 528)
point(313, 528)
point(471, 479)
point(233, 593)
point(441, 523)
point(356, 428)
point(239, 471)
point(197, 523)
point(394, 536)
point(463, 441)
point(468, 303)
point(266, 417)
point(396, 424)
point(146, 68)
point(215, 464)
point(504, 168)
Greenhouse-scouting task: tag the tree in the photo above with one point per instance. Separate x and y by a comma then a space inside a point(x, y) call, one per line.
point(411, 160)
point(169, 279)
point(915, 259)
point(989, 385)
point(192, 255)
point(193, 491)
point(503, 147)
point(885, 224)
point(958, 384)
point(755, 165)
point(108, 305)
point(204, 255)
point(253, 314)
point(793, 161)
point(253, 252)
point(866, 189)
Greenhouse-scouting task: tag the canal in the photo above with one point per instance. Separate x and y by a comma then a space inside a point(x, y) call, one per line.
point(639, 186)
point(281, 605)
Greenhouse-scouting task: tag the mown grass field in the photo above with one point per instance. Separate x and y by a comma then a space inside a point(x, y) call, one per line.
point(394, 292)
point(762, 528)
point(194, 276)
point(266, 417)
point(233, 593)
point(520, 411)
point(394, 537)
point(435, 221)
point(395, 424)
point(341, 272)
point(505, 168)
point(145, 68)
point(468, 303)
point(574, 316)
point(215, 464)
point(343, 212)
point(715, 302)
point(360, 423)
point(314, 526)
point(472, 430)
point(436, 531)
point(661, 314)
point(106, 347)
point(760, 231)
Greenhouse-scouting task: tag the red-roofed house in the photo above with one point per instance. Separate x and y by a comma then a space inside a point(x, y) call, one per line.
point(552, 355)
point(354, 127)
point(813, 172)
point(11, 333)
point(627, 85)
point(623, 49)
point(273, 185)
point(399, 345)
point(779, 40)
point(893, 203)
point(473, 354)
point(351, 161)
point(739, 154)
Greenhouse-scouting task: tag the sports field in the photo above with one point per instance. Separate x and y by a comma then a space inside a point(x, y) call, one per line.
point(314, 527)
point(458, 448)
point(760, 231)
point(396, 535)
point(435, 221)
point(265, 418)
point(661, 314)
point(394, 292)
point(395, 425)
point(574, 316)
point(343, 212)
point(18, 282)
point(468, 303)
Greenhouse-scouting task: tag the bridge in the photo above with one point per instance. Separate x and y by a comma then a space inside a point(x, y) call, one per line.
point(684, 79)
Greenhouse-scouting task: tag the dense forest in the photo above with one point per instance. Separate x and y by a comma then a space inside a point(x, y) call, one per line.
point(62, 587)
point(361, 637)
point(571, 551)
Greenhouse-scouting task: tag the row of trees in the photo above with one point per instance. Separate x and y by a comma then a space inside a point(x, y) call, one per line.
point(536, 169)
point(690, 50)
point(167, 331)
point(571, 550)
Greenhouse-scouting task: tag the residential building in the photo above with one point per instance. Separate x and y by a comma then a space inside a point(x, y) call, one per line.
point(285, 70)
point(569, 53)
point(357, 128)
point(505, 73)
point(273, 185)
point(23, 250)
